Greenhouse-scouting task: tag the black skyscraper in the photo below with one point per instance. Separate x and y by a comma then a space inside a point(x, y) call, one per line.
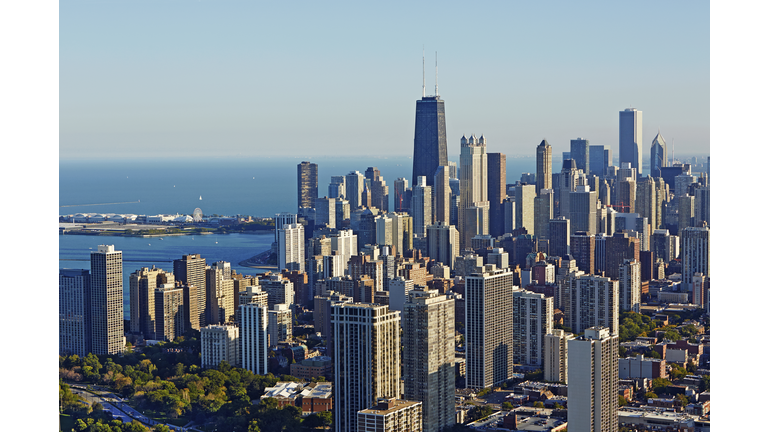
point(430, 148)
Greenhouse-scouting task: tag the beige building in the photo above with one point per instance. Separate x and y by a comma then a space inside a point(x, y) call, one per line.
point(220, 289)
point(428, 356)
point(279, 324)
point(170, 321)
point(190, 270)
point(593, 381)
point(366, 352)
point(391, 415)
point(106, 298)
point(219, 343)
point(556, 356)
point(533, 316)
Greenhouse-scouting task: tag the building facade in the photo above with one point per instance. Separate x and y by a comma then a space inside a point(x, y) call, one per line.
point(107, 325)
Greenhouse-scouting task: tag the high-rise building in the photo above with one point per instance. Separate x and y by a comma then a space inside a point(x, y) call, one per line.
point(430, 146)
point(629, 286)
point(583, 210)
point(421, 206)
point(378, 189)
point(190, 271)
point(307, 184)
point(694, 253)
point(631, 138)
point(592, 301)
point(582, 248)
point(290, 247)
point(497, 192)
point(392, 415)
point(442, 196)
point(569, 178)
point(278, 289)
point(645, 200)
point(219, 343)
point(337, 187)
point(473, 181)
point(366, 353)
point(701, 206)
point(107, 301)
point(74, 312)
point(544, 206)
point(524, 205)
point(627, 195)
point(489, 327)
point(219, 288)
point(143, 284)
point(618, 247)
point(170, 321)
point(345, 244)
point(593, 381)
point(556, 356)
point(597, 160)
point(402, 198)
point(443, 243)
point(686, 206)
point(428, 356)
point(279, 324)
point(658, 155)
point(543, 166)
point(354, 184)
point(325, 212)
point(580, 154)
point(559, 236)
point(254, 339)
point(532, 315)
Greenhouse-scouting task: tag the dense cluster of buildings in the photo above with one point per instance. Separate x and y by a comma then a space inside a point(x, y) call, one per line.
point(465, 279)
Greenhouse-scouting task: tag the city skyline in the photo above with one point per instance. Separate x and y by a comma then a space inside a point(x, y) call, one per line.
point(174, 89)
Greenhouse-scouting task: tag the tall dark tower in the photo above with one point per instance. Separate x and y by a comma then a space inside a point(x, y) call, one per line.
point(430, 147)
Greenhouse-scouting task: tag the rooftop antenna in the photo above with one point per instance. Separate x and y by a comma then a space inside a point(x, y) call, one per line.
point(423, 76)
point(436, 92)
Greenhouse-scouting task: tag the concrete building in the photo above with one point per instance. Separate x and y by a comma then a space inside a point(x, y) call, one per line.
point(631, 138)
point(392, 415)
point(219, 288)
point(170, 321)
point(556, 356)
point(659, 157)
point(325, 212)
point(345, 244)
point(533, 316)
point(629, 286)
point(254, 339)
point(337, 188)
point(428, 356)
point(106, 302)
point(559, 236)
point(74, 312)
point(489, 327)
point(583, 210)
point(442, 196)
point(190, 271)
point(497, 192)
point(219, 343)
point(290, 247)
point(499, 258)
point(593, 381)
point(307, 184)
point(640, 367)
point(544, 207)
point(421, 206)
point(525, 207)
point(354, 184)
point(278, 289)
point(366, 352)
point(443, 243)
point(694, 254)
point(592, 301)
point(142, 284)
point(279, 324)
point(582, 249)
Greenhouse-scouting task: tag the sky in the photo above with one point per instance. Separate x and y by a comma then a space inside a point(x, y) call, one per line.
point(243, 79)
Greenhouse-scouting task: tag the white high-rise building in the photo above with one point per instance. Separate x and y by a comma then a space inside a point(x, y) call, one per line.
point(366, 353)
point(428, 356)
point(219, 343)
point(443, 243)
point(556, 356)
point(694, 251)
point(593, 381)
point(592, 301)
point(279, 324)
point(107, 325)
point(220, 293)
point(631, 138)
point(283, 219)
point(533, 316)
point(473, 182)
point(345, 243)
point(525, 207)
point(489, 327)
point(290, 247)
point(278, 289)
point(629, 286)
point(253, 338)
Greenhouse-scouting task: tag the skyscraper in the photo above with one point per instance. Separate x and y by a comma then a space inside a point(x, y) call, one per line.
point(428, 356)
point(473, 173)
point(556, 356)
point(532, 315)
point(430, 147)
point(543, 166)
point(631, 138)
point(441, 193)
point(253, 338)
point(593, 381)
point(421, 205)
point(497, 192)
point(219, 343)
point(366, 354)
point(443, 243)
point(580, 153)
point(219, 288)
point(290, 247)
point(489, 328)
point(592, 301)
point(107, 300)
point(694, 245)
point(170, 321)
point(354, 184)
point(74, 312)
point(143, 284)
point(190, 270)
point(307, 184)
point(658, 155)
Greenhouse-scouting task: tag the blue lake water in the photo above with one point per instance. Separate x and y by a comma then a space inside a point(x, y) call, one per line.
point(138, 252)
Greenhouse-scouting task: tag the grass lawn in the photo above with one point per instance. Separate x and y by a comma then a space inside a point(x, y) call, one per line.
point(66, 422)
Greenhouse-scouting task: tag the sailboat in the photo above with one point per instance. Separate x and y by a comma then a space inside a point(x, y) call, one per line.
point(201, 197)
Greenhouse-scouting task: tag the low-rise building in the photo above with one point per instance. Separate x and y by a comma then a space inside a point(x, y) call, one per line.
point(320, 366)
point(390, 415)
point(640, 367)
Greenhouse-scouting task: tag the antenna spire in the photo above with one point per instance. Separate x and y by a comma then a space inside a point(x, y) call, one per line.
point(436, 92)
point(423, 76)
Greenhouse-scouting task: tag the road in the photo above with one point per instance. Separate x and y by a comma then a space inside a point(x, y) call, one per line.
point(118, 407)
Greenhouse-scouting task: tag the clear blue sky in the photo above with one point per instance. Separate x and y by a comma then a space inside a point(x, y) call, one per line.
point(310, 78)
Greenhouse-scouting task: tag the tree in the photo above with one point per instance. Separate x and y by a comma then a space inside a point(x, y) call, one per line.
point(506, 406)
point(622, 401)
point(538, 404)
point(650, 395)
point(682, 399)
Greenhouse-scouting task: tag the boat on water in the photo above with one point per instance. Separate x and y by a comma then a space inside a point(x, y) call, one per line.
point(201, 197)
